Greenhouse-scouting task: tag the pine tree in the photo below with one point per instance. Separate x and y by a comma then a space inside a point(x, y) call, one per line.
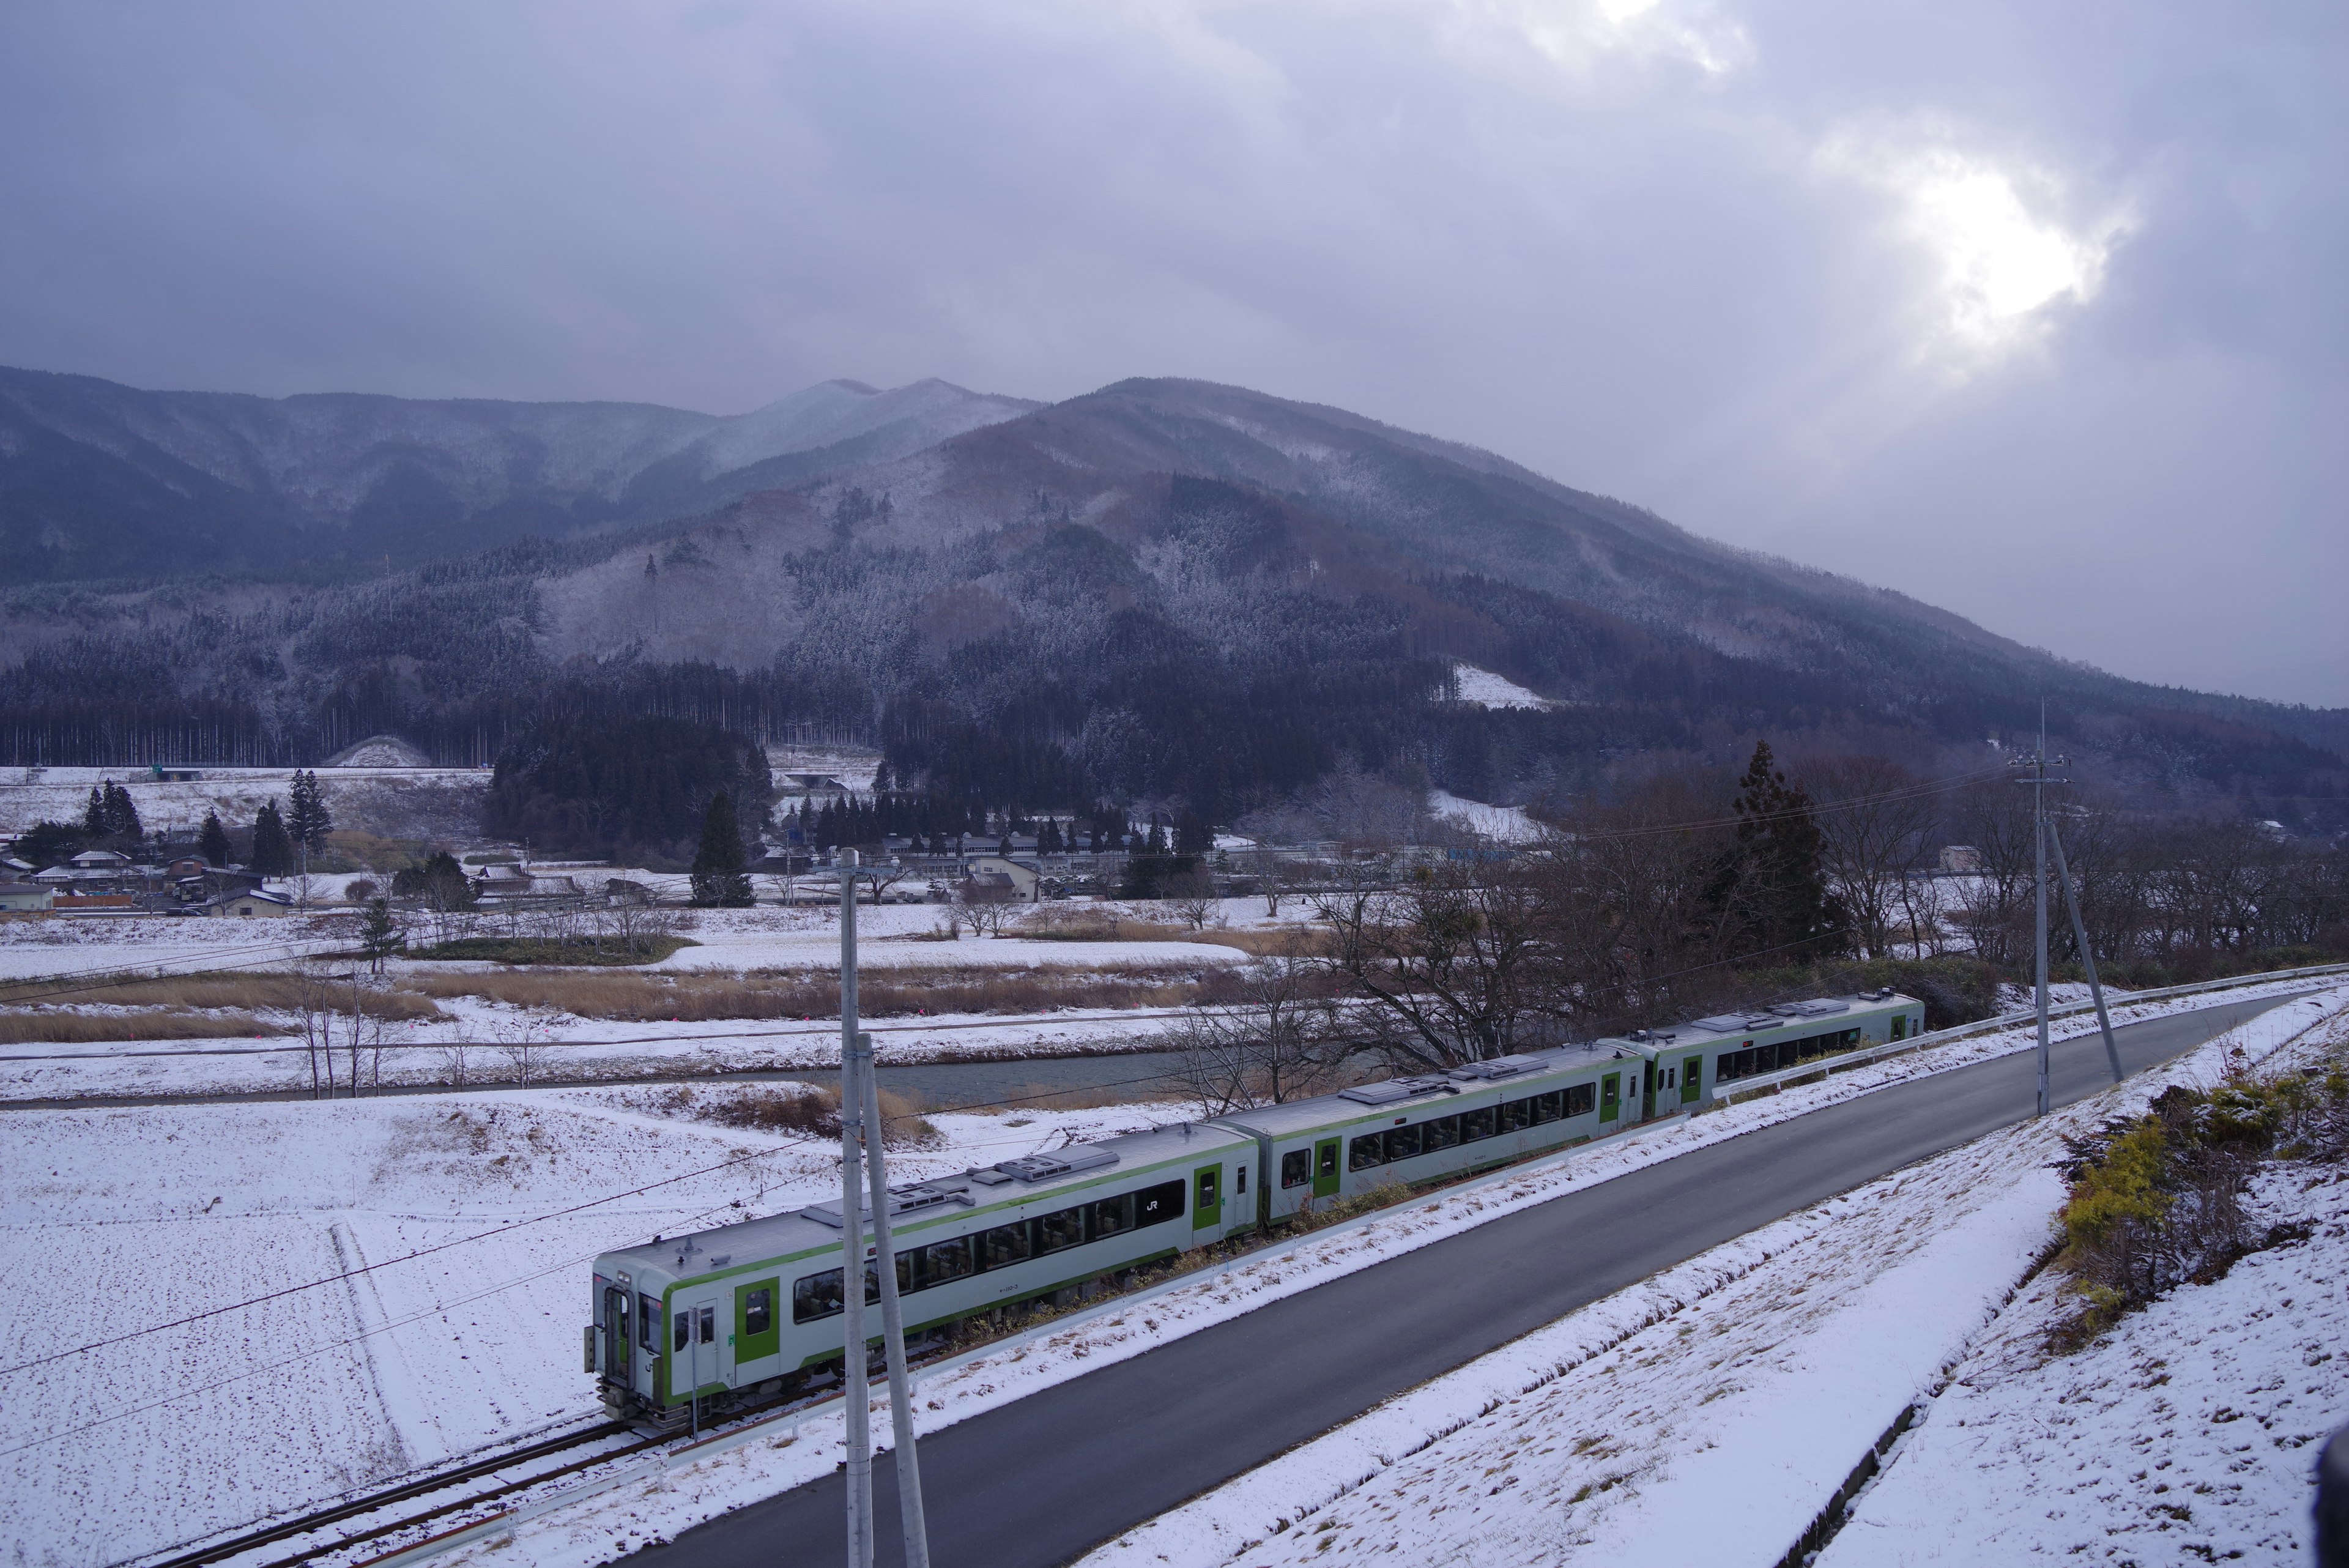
point(1775, 875)
point(719, 878)
point(119, 815)
point(1191, 835)
point(212, 843)
point(379, 936)
point(93, 817)
point(272, 850)
point(308, 821)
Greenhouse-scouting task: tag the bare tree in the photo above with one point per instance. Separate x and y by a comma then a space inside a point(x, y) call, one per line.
point(521, 1043)
point(1282, 1039)
point(1874, 817)
point(1452, 963)
point(1191, 896)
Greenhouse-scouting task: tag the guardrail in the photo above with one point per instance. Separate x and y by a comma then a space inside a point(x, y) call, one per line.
point(1820, 1067)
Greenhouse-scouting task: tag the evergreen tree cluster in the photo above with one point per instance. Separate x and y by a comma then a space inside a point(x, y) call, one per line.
point(111, 819)
point(309, 821)
point(720, 866)
point(273, 847)
point(588, 781)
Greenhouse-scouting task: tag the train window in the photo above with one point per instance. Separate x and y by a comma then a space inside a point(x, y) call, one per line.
point(1113, 1216)
point(685, 1319)
point(1297, 1168)
point(1582, 1100)
point(941, 1262)
point(1207, 1198)
point(759, 1311)
point(812, 1297)
point(708, 1326)
point(1367, 1153)
point(1329, 1165)
point(648, 1322)
point(1549, 1108)
point(1155, 1205)
point(1059, 1231)
point(1442, 1133)
point(1403, 1143)
point(1239, 1181)
point(1516, 1114)
point(1475, 1124)
point(1004, 1246)
point(1899, 1026)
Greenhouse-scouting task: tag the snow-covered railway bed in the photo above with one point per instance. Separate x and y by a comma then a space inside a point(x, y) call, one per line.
point(271, 1391)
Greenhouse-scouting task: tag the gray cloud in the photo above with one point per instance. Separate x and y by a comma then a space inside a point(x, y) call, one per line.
point(2030, 311)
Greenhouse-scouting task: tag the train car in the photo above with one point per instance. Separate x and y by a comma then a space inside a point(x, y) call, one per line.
point(1436, 1125)
point(1687, 1065)
point(730, 1316)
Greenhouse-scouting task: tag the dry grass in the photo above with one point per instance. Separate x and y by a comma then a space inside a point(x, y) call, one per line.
point(892, 993)
point(244, 993)
point(53, 1026)
point(1098, 924)
point(801, 1108)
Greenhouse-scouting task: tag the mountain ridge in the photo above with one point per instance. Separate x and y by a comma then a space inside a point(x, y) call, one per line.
point(1163, 589)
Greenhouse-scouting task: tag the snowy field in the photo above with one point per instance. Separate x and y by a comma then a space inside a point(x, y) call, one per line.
point(473, 1037)
point(1812, 1334)
point(114, 1222)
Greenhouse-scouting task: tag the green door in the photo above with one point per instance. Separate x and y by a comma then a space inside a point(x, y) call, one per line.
point(758, 1330)
point(1207, 1197)
point(1691, 1079)
point(615, 1334)
point(1325, 1169)
point(1610, 1097)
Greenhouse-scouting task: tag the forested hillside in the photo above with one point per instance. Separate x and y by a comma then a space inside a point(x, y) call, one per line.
point(1164, 592)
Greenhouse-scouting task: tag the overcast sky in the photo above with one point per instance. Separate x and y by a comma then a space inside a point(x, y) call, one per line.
point(2032, 311)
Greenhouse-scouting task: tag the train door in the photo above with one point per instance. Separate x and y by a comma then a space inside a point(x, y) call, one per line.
point(1206, 1198)
point(1325, 1167)
point(615, 1334)
point(1610, 1098)
point(695, 1352)
point(1648, 1091)
point(1691, 1079)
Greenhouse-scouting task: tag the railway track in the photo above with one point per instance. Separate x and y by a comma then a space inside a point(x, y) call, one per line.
point(427, 1488)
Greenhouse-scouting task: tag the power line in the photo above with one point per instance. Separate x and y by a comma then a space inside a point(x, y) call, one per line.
point(404, 1258)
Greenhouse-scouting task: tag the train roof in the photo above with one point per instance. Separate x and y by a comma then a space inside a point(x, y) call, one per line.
point(1028, 1179)
point(1386, 1094)
point(1757, 1021)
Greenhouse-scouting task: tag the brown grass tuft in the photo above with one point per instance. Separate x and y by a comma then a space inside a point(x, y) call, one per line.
point(255, 993)
point(54, 1026)
point(888, 994)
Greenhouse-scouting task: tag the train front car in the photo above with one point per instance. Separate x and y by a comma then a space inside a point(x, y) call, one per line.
point(753, 1311)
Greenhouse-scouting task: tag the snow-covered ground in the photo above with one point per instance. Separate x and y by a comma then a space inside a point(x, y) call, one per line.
point(1486, 690)
point(1502, 824)
point(396, 802)
point(113, 1221)
point(1909, 1266)
point(2187, 1433)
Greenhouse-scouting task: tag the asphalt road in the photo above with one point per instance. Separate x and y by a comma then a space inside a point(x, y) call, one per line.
point(1040, 1481)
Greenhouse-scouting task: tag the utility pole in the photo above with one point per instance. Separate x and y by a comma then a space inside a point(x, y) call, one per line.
point(2043, 836)
point(855, 1385)
point(2038, 782)
point(861, 1138)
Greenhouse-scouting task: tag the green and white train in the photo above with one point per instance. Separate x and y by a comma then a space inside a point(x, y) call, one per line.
point(749, 1311)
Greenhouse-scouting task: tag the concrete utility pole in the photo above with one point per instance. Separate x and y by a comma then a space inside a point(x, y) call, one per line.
point(2038, 782)
point(861, 1136)
point(2043, 836)
point(854, 1385)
